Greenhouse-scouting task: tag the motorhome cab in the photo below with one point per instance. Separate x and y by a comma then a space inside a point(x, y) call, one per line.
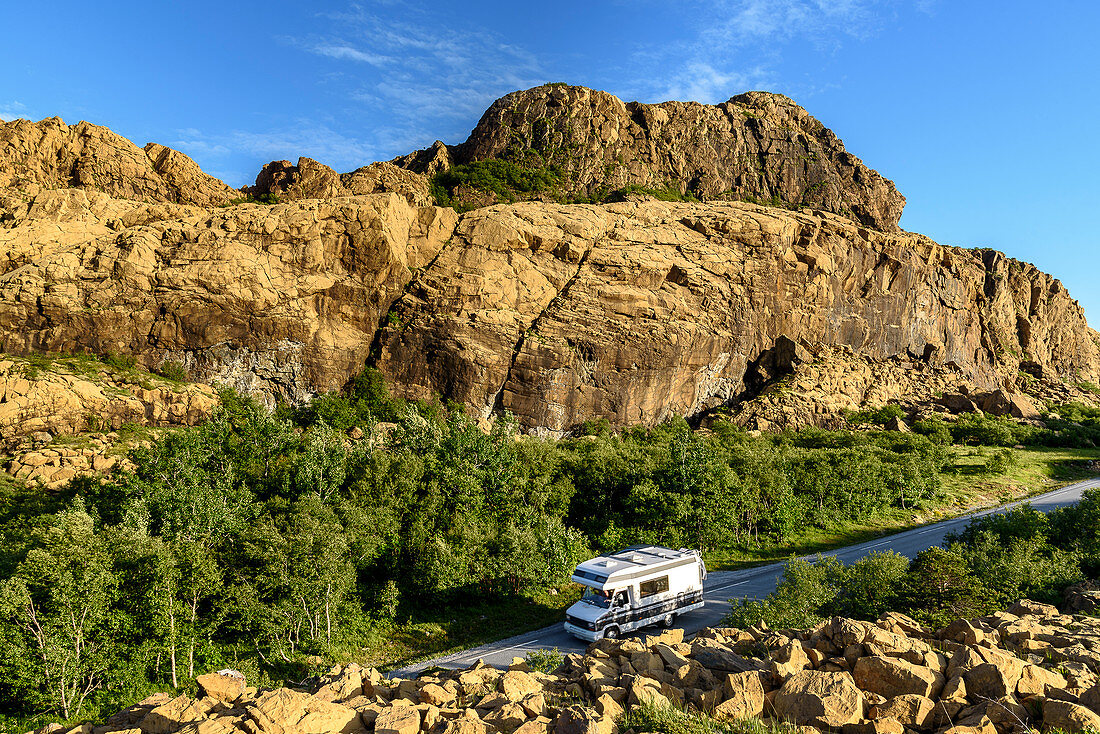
point(635, 587)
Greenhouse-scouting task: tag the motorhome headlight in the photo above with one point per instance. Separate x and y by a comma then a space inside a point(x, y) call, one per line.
point(582, 623)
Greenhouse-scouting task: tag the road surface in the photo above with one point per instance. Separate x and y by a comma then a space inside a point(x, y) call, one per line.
point(757, 582)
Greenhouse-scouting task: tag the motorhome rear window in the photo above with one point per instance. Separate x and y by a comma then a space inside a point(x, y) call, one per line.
point(653, 586)
point(599, 579)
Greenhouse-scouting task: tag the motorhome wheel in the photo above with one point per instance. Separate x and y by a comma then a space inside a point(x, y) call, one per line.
point(611, 633)
point(669, 619)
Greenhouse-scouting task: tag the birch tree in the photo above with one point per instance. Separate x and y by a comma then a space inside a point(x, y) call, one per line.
point(58, 604)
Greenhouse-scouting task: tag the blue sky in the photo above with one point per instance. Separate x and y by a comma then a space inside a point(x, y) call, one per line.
point(983, 113)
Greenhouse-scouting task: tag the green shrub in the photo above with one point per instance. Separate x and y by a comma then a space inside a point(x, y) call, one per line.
point(935, 428)
point(878, 416)
point(799, 599)
point(123, 362)
point(1000, 461)
point(940, 586)
point(545, 660)
point(981, 429)
point(871, 585)
point(267, 199)
point(505, 179)
point(174, 371)
point(668, 192)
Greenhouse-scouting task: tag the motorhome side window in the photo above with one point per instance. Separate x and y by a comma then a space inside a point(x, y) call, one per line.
point(653, 586)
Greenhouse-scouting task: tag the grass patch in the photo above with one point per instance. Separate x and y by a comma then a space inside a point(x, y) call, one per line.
point(434, 632)
point(267, 199)
point(666, 719)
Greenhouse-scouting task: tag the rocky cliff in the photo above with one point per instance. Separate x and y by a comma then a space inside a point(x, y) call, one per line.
point(309, 179)
point(37, 156)
point(631, 311)
point(756, 146)
point(1015, 671)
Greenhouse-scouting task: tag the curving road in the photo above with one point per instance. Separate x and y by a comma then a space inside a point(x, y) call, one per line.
point(720, 586)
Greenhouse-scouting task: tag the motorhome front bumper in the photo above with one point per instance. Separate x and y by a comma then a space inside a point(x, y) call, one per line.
point(581, 632)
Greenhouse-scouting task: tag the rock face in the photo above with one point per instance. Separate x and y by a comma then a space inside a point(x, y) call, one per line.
point(49, 154)
point(63, 398)
point(281, 300)
point(637, 311)
point(50, 399)
point(757, 145)
point(557, 313)
point(837, 690)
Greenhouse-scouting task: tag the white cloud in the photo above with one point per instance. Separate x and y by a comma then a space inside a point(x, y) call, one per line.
point(13, 109)
point(736, 45)
point(335, 51)
point(701, 82)
point(432, 81)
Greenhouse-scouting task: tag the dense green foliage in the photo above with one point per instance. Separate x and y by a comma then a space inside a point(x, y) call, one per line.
point(878, 416)
point(267, 199)
point(258, 540)
point(996, 560)
point(668, 192)
point(507, 180)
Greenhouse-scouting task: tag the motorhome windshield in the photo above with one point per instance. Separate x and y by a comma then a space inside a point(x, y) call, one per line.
point(596, 598)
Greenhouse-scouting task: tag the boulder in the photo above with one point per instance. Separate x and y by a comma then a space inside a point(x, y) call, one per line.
point(516, 684)
point(884, 725)
point(1091, 697)
point(716, 656)
point(1069, 717)
point(224, 685)
point(578, 720)
point(284, 710)
point(910, 709)
point(168, 717)
point(890, 677)
point(815, 698)
point(436, 695)
point(398, 719)
point(744, 697)
point(788, 660)
point(990, 680)
point(1035, 680)
point(344, 685)
point(1027, 607)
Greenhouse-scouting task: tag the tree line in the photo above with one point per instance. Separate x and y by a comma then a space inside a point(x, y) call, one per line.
point(993, 562)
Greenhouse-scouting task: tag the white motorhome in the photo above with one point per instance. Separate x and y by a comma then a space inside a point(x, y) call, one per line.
point(635, 587)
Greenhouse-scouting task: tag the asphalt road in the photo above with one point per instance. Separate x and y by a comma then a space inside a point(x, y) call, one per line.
point(721, 586)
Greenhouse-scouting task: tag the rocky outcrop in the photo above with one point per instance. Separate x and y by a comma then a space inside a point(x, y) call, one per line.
point(755, 146)
point(312, 180)
point(36, 156)
point(1009, 672)
point(76, 394)
point(637, 311)
point(559, 314)
point(54, 412)
point(279, 300)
